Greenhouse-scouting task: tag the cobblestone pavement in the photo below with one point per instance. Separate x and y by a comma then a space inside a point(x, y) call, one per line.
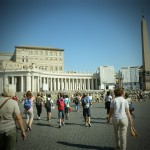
point(75, 136)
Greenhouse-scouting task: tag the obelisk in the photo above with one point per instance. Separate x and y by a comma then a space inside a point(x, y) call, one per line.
point(145, 55)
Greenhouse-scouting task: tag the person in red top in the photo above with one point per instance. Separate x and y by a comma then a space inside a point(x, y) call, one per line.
point(61, 106)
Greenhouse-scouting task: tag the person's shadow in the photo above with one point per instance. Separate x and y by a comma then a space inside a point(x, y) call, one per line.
point(85, 146)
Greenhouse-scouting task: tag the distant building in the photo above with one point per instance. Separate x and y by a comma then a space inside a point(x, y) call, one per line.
point(107, 77)
point(130, 77)
point(6, 56)
point(42, 69)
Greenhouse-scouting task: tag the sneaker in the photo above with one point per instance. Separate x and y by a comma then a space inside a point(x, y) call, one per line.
point(59, 126)
point(89, 124)
point(27, 130)
point(63, 123)
point(39, 118)
point(86, 124)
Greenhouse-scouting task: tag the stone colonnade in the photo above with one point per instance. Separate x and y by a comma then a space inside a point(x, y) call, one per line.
point(37, 82)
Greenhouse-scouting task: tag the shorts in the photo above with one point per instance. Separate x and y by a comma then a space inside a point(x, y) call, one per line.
point(49, 109)
point(29, 114)
point(67, 110)
point(86, 112)
point(61, 114)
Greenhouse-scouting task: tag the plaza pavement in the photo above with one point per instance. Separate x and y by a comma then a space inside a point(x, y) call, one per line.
point(75, 136)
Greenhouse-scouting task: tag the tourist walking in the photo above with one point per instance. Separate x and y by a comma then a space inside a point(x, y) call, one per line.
point(48, 106)
point(39, 104)
point(67, 106)
point(61, 105)
point(119, 111)
point(77, 101)
point(108, 99)
point(131, 107)
point(86, 103)
point(28, 105)
point(9, 116)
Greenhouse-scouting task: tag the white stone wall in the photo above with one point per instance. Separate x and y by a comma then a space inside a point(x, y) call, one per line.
point(107, 74)
point(126, 74)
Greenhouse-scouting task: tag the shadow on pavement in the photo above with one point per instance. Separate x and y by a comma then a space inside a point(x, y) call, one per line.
point(85, 146)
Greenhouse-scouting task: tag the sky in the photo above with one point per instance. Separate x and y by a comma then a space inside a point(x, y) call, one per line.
point(92, 33)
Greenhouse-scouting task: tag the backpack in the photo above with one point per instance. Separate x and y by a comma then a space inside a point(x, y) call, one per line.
point(61, 104)
point(39, 101)
point(77, 101)
point(48, 103)
point(27, 104)
point(85, 103)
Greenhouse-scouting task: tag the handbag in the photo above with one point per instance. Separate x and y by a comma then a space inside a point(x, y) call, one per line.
point(70, 109)
point(133, 131)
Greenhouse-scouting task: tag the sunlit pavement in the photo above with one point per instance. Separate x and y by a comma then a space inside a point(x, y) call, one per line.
point(76, 136)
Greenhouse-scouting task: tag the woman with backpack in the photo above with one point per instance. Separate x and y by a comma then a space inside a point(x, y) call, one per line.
point(61, 106)
point(39, 104)
point(77, 101)
point(67, 106)
point(28, 105)
point(48, 106)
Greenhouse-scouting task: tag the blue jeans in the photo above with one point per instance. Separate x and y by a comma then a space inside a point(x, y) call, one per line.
point(77, 107)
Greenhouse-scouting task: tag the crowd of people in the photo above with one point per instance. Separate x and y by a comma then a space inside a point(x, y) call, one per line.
point(63, 103)
point(118, 106)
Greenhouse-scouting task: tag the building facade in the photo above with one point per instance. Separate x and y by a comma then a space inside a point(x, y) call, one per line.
point(42, 69)
point(107, 77)
point(130, 77)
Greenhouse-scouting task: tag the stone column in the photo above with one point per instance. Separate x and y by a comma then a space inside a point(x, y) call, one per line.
point(65, 85)
point(73, 84)
point(88, 84)
point(51, 84)
point(62, 87)
point(58, 84)
point(92, 83)
point(38, 84)
point(77, 84)
point(47, 83)
point(12, 78)
point(84, 84)
point(96, 84)
point(28, 82)
point(69, 83)
point(54, 84)
point(81, 84)
point(22, 84)
point(32, 85)
point(5, 80)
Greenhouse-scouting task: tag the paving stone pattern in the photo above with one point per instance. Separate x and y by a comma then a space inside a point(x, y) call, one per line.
point(75, 136)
